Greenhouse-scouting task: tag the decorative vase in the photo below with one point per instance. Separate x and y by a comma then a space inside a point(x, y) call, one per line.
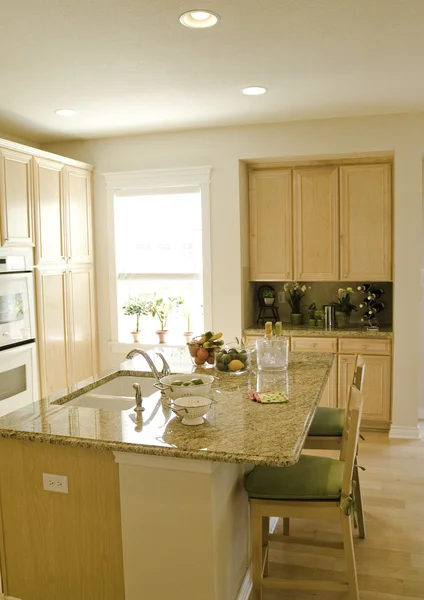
point(136, 336)
point(312, 323)
point(320, 323)
point(269, 301)
point(342, 319)
point(296, 318)
point(162, 333)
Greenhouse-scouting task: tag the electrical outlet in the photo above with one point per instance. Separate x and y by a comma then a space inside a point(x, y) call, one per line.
point(55, 483)
point(281, 297)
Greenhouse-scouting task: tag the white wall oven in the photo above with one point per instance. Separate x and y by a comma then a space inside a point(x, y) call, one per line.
point(18, 367)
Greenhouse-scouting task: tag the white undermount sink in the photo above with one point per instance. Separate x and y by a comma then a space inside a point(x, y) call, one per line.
point(116, 394)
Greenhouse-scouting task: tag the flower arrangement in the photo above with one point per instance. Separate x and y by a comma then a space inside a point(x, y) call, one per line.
point(343, 303)
point(294, 294)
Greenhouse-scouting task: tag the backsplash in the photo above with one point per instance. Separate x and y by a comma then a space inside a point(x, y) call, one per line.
point(324, 292)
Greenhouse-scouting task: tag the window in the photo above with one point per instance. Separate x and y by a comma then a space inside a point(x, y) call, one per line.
point(158, 248)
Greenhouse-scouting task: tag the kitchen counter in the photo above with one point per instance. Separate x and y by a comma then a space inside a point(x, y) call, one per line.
point(237, 430)
point(304, 330)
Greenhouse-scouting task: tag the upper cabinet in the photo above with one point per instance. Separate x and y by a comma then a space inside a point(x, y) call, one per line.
point(316, 224)
point(78, 192)
point(16, 202)
point(334, 224)
point(270, 195)
point(50, 247)
point(366, 222)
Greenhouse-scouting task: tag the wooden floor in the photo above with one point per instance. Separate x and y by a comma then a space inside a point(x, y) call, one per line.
point(390, 561)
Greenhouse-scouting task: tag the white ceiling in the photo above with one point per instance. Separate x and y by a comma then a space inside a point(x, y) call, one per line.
point(128, 66)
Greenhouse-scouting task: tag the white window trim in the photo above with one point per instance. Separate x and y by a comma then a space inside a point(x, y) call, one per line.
point(154, 180)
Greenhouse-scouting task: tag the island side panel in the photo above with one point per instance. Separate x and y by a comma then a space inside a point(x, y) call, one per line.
point(58, 545)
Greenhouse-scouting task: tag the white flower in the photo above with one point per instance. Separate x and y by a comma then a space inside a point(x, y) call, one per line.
point(303, 288)
point(349, 290)
point(340, 291)
point(286, 287)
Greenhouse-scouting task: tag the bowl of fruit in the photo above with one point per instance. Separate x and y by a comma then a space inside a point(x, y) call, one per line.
point(233, 359)
point(202, 348)
point(177, 386)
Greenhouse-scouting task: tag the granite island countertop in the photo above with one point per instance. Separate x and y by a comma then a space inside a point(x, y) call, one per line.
point(236, 430)
point(289, 330)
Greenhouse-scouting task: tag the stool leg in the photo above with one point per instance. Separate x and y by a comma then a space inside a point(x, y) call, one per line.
point(358, 502)
point(256, 541)
point(352, 577)
point(265, 543)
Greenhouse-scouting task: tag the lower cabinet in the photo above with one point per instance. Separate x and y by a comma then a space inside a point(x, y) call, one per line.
point(67, 343)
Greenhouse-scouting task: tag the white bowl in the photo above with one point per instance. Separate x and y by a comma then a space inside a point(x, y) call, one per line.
point(174, 392)
point(191, 409)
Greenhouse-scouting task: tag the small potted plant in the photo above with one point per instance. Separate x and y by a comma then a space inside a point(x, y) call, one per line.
point(136, 306)
point(294, 294)
point(269, 297)
point(312, 310)
point(343, 306)
point(160, 308)
point(319, 316)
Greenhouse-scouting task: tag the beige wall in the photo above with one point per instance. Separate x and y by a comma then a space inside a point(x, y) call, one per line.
point(18, 140)
point(223, 149)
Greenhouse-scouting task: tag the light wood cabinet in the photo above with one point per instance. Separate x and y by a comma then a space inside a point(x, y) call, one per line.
point(270, 195)
point(366, 223)
point(79, 226)
point(50, 246)
point(316, 224)
point(16, 198)
point(82, 328)
point(53, 351)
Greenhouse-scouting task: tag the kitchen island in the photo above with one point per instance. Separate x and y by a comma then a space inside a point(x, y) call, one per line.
point(183, 513)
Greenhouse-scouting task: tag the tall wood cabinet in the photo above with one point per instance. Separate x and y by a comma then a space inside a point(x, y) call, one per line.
point(321, 223)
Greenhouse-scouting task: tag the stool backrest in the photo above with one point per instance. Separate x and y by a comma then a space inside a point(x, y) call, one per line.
point(351, 435)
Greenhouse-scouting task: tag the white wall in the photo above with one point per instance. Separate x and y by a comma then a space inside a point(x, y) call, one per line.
point(18, 140)
point(223, 148)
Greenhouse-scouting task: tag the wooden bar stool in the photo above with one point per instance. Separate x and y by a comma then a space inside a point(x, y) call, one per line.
point(316, 488)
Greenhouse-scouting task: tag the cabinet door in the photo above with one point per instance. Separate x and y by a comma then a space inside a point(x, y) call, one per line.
point(51, 291)
point(82, 329)
point(345, 377)
point(377, 390)
point(79, 229)
point(49, 210)
point(16, 198)
point(316, 224)
point(329, 395)
point(270, 225)
point(366, 223)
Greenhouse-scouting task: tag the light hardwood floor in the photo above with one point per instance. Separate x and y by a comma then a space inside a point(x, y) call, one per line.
point(390, 561)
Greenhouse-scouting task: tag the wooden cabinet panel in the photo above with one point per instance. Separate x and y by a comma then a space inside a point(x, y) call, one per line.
point(377, 389)
point(316, 224)
point(329, 395)
point(346, 370)
point(16, 200)
point(78, 192)
point(313, 344)
point(82, 330)
point(366, 222)
point(49, 210)
point(51, 290)
point(270, 225)
point(365, 346)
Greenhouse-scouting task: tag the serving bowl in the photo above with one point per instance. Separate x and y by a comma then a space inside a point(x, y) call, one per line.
point(191, 409)
point(178, 391)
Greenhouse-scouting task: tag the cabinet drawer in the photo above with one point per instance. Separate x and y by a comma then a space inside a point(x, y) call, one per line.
point(313, 344)
point(364, 346)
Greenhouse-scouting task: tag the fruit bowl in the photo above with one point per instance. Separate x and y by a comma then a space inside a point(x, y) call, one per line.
point(233, 359)
point(202, 348)
point(173, 385)
point(191, 409)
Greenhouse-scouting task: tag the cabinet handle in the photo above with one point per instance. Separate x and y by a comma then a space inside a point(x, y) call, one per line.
point(299, 275)
point(314, 345)
point(344, 360)
point(345, 275)
point(365, 346)
point(286, 275)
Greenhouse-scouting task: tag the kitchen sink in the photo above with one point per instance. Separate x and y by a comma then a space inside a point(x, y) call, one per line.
point(116, 394)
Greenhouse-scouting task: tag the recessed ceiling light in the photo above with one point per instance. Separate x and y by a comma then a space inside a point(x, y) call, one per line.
point(66, 112)
point(255, 90)
point(199, 18)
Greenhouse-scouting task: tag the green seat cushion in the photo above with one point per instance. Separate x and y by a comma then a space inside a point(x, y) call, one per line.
point(328, 421)
point(312, 478)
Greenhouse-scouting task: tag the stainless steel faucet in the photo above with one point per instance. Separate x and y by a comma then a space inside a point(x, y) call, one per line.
point(138, 398)
point(166, 369)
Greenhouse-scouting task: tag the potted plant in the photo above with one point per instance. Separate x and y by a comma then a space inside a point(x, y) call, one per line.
point(136, 306)
point(319, 316)
point(269, 297)
point(312, 310)
point(294, 294)
point(343, 306)
point(160, 308)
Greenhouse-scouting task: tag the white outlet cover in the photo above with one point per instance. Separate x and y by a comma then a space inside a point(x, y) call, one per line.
point(281, 297)
point(55, 483)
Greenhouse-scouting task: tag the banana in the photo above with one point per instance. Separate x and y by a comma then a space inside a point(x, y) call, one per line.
point(209, 335)
point(202, 340)
point(216, 336)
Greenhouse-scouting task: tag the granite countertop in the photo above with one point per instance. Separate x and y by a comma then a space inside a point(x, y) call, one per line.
point(237, 429)
point(385, 331)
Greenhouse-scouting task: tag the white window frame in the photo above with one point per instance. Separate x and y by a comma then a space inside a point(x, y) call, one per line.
point(154, 181)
